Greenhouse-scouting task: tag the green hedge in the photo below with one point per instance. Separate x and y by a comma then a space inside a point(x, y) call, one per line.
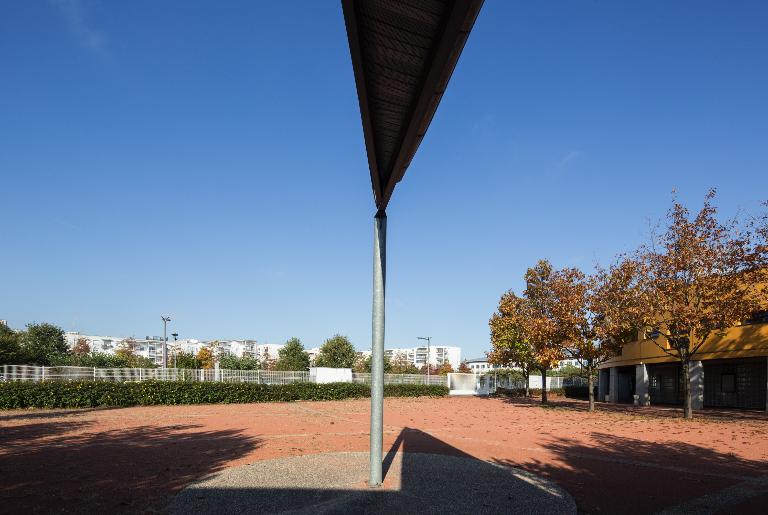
point(88, 394)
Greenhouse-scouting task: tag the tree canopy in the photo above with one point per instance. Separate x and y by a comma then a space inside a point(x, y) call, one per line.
point(10, 349)
point(42, 343)
point(690, 283)
point(232, 362)
point(292, 356)
point(337, 352)
point(206, 358)
point(363, 364)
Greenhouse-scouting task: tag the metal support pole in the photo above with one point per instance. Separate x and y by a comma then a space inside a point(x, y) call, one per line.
point(377, 346)
point(165, 343)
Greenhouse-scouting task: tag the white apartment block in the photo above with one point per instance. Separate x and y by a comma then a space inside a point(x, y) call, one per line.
point(438, 354)
point(268, 351)
point(152, 346)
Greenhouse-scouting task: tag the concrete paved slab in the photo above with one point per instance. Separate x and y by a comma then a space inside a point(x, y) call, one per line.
point(336, 483)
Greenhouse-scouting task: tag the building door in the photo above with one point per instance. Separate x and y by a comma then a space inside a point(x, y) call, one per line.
point(664, 387)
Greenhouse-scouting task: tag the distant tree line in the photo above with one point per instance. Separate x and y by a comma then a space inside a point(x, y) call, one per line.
point(44, 344)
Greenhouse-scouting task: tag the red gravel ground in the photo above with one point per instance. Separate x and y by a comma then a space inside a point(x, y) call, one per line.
point(619, 460)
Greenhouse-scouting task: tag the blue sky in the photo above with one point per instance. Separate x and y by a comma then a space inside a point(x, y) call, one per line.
point(206, 160)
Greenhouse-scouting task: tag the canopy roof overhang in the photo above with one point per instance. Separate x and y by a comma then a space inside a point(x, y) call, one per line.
point(403, 55)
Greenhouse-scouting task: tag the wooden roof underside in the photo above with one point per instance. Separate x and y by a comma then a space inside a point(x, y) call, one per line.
point(403, 55)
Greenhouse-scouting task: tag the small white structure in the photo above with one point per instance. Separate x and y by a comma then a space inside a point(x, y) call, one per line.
point(463, 384)
point(330, 375)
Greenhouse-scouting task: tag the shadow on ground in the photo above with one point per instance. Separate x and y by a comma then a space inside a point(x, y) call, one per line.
point(614, 474)
point(662, 411)
point(64, 467)
point(47, 414)
point(422, 475)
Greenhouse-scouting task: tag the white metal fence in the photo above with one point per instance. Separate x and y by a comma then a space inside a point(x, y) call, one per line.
point(358, 377)
point(34, 373)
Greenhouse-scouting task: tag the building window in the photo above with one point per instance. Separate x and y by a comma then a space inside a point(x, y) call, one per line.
point(728, 383)
point(758, 317)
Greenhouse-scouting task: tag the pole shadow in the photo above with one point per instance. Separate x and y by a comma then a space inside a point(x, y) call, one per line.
point(422, 475)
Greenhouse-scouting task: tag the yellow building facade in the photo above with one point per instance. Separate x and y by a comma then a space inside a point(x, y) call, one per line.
point(728, 371)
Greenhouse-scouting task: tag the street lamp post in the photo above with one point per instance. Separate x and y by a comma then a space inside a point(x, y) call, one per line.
point(175, 348)
point(166, 319)
point(429, 341)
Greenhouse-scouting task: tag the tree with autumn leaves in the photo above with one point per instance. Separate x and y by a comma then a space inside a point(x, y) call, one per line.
point(685, 287)
point(524, 331)
point(690, 284)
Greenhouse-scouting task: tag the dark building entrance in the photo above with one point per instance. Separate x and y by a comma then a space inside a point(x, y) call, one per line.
point(626, 383)
point(735, 383)
point(665, 383)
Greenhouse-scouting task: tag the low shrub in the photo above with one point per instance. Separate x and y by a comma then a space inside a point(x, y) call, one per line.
point(534, 392)
point(88, 394)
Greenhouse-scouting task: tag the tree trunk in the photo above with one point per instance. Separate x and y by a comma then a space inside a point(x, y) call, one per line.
point(590, 385)
point(687, 409)
point(527, 384)
point(543, 385)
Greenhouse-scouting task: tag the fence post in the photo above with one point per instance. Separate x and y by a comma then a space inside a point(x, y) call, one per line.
point(94, 373)
point(43, 373)
point(141, 378)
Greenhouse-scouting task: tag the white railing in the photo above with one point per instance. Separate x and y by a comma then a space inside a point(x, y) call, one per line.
point(362, 377)
point(35, 373)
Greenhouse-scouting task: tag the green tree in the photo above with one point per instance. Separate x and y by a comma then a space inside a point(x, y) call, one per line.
point(10, 349)
point(363, 364)
point(102, 360)
point(292, 356)
point(401, 365)
point(231, 362)
point(337, 352)
point(42, 343)
point(185, 360)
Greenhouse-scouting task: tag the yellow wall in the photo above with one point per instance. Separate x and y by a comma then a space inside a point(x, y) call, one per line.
point(745, 341)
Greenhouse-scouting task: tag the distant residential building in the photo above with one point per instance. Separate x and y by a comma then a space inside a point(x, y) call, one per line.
point(187, 346)
point(480, 365)
point(150, 347)
point(314, 352)
point(438, 354)
point(568, 363)
point(103, 344)
point(268, 351)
